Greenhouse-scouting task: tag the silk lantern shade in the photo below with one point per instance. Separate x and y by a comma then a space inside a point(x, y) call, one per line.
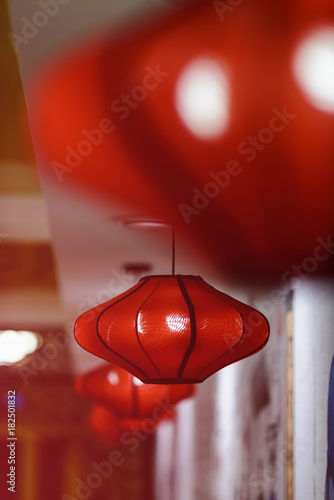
point(172, 329)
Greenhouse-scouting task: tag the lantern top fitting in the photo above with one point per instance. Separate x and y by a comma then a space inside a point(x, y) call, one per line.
point(172, 329)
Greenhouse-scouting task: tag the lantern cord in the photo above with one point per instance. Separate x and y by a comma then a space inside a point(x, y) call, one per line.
point(173, 250)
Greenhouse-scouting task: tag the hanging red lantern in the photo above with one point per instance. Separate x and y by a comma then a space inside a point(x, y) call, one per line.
point(104, 423)
point(172, 329)
point(128, 399)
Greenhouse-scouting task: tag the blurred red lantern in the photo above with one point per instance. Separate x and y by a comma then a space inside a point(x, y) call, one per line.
point(128, 399)
point(103, 422)
point(171, 329)
point(105, 425)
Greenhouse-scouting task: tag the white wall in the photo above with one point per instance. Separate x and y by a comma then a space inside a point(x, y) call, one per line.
point(222, 446)
point(313, 331)
point(246, 438)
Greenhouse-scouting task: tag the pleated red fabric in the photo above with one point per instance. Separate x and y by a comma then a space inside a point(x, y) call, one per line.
point(172, 329)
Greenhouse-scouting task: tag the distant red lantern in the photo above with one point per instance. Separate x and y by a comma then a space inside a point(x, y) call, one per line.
point(103, 422)
point(172, 329)
point(128, 399)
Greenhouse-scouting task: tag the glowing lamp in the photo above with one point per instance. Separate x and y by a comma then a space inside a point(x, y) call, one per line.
point(127, 397)
point(172, 329)
point(202, 98)
point(314, 67)
point(16, 345)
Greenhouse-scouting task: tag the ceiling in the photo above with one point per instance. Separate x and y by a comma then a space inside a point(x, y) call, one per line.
point(83, 59)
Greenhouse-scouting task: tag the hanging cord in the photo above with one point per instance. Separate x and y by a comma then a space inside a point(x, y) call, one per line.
point(173, 250)
point(134, 222)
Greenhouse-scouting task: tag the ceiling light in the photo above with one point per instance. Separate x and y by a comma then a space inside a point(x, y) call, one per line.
point(314, 68)
point(113, 378)
point(16, 345)
point(141, 223)
point(202, 98)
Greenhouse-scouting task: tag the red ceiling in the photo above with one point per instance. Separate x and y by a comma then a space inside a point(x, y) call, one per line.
point(272, 213)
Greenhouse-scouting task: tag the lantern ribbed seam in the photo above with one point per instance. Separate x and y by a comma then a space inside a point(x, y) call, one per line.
point(105, 344)
point(136, 328)
point(193, 334)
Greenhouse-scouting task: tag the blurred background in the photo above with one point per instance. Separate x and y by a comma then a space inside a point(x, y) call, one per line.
point(217, 117)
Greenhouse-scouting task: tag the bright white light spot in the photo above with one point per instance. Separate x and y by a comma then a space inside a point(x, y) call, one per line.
point(177, 323)
point(314, 68)
point(14, 346)
point(202, 98)
point(113, 378)
point(137, 382)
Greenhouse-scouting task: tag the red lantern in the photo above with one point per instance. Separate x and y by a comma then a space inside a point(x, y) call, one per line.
point(119, 392)
point(172, 329)
point(104, 423)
